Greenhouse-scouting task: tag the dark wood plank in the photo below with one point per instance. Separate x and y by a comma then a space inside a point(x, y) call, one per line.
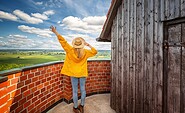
point(159, 50)
point(174, 61)
point(140, 55)
point(182, 10)
point(149, 54)
point(131, 62)
point(171, 9)
point(156, 54)
point(113, 64)
point(125, 57)
point(177, 8)
point(166, 9)
point(183, 72)
point(119, 54)
point(134, 55)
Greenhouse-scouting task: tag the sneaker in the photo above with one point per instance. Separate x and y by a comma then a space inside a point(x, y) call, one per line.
point(76, 110)
point(81, 108)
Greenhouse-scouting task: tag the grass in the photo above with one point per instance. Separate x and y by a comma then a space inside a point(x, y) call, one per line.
point(16, 59)
point(10, 61)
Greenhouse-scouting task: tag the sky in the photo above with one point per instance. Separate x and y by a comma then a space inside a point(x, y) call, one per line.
point(24, 24)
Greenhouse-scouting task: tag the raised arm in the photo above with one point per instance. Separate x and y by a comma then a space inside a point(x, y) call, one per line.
point(61, 39)
point(91, 52)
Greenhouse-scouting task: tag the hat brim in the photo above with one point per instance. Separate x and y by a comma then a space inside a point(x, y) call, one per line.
point(80, 46)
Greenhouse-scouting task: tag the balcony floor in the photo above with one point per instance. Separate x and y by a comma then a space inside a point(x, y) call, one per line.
point(99, 103)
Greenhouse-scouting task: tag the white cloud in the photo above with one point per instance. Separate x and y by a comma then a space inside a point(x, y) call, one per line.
point(1, 37)
point(27, 17)
point(18, 36)
point(18, 41)
point(8, 16)
point(95, 20)
point(86, 25)
point(39, 32)
point(40, 16)
point(49, 12)
point(43, 16)
point(38, 3)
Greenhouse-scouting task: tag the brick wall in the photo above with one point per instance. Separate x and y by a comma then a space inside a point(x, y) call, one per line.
point(36, 89)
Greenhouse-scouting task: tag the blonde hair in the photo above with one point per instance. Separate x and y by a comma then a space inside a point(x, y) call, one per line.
point(79, 52)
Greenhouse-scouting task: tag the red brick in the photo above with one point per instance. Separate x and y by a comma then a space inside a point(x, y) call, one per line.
point(4, 84)
point(40, 86)
point(44, 80)
point(24, 111)
point(31, 75)
point(12, 94)
point(37, 73)
point(34, 70)
point(18, 74)
point(22, 101)
point(37, 93)
point(43, 89)
point(27, 72)
point(37, 102)
point(3, 92)
point(20, 84)
point(13, 81)
point(29, 97)
point(18, 92)
point(31, 85)
point(30, 107)
point(27, 81)
point(4, 108)
point(33, 89)
point(26, 93)
point(4, 99)
point(18, 98)
point(11, 88)
point(34, 79)
point(24, 89)
point(22, 78)
point(27, 104)
point(14, 106)
point(20, 108)
point(34, 99)
point(10, 76)
point(46, 83)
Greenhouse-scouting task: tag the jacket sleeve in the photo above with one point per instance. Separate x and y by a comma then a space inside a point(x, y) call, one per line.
point(92, 52)
point(64, 43)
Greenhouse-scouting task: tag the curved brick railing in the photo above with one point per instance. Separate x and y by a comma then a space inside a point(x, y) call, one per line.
point(38, 88)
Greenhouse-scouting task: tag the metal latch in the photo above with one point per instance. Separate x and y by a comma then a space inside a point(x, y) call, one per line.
point(173, 44)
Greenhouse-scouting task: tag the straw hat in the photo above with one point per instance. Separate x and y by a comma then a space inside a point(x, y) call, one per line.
point(78, 42)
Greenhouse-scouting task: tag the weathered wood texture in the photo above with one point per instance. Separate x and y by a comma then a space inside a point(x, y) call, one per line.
point(137, 58)
point(174, 67)
point(171, 9)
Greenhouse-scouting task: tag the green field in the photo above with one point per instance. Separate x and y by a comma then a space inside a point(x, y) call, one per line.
point(16, 59)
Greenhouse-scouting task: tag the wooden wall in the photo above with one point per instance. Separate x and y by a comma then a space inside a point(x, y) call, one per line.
point(137, 54)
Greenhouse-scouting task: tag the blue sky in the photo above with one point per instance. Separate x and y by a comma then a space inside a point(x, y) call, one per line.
point(24, 24)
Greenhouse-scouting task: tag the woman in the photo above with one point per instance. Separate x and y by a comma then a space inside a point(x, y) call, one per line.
point(75, 66)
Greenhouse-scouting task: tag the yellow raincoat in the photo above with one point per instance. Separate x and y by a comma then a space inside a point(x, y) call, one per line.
point(73, 66)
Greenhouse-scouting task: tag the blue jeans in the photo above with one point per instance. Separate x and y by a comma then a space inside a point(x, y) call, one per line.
point(74, 82)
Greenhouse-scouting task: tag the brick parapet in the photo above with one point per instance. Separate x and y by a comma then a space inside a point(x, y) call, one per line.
point(35, 89)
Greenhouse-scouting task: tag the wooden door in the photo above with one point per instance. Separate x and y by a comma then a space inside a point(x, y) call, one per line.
point(174, 67)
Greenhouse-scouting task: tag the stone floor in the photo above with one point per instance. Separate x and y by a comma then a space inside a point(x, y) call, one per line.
point(99, 103)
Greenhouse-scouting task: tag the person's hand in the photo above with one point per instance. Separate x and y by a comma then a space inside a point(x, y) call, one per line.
point(53, 29)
